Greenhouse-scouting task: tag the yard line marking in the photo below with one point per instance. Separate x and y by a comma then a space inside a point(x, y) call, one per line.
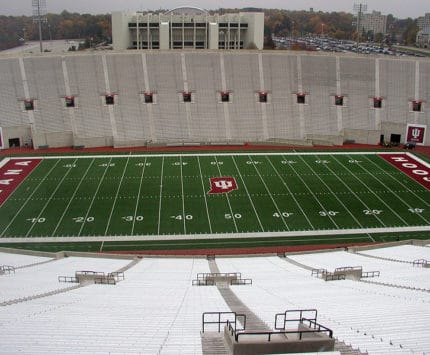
point(333, 194)
point(183, 199)
point(400, 199)
point(312, 193)
point(101, 246)
point(71, 198)
point(138, 196)
point(161, 195)
point(418, 197)
point(116, 195)
point(353, 193)
point(94, 197)
point(49, 199)
point(204, 194)
point(362, 183)
point(268, 191)
point(29, 198)
point(226, 196)
point(249, 197)
point(289, 191)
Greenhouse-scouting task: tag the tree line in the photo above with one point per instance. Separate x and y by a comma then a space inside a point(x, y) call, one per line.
point(14, 30)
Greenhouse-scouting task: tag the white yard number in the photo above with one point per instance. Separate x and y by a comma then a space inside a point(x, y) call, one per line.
point(179, 217)
point(143, 164)
point(133, 218)
point(105, 165)
point(353, 161)
point(416, 210)
point(217, 162)
point(235, 216)
point(36, 220)
point(322, 161)
point(83, 219)
point(253, 162)
point(178, 163)
point(69, 166)
point(288, 162)
point(372, 212)
point(327, 213)
point(282, 214)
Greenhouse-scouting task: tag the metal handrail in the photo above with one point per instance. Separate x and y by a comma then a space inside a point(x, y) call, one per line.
point(301, 312)
point(67, 279)
point(227, 321)
point(348, 268)
point(204, 275)
point(241, 282)
point(332, 277)
point(370, 274)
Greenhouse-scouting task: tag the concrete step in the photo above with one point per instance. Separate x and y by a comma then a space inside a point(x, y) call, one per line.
point(346, 349)
point(213, 344)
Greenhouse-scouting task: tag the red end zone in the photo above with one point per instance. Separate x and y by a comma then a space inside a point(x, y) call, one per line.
point(408, 165)
point(13, 173)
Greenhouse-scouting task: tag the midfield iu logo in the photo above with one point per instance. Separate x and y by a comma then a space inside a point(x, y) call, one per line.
point(221, 185)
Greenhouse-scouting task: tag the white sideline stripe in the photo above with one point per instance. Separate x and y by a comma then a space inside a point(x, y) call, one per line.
point(419, 160)
point(167, 155)
point(245, 235)
point(4, 162)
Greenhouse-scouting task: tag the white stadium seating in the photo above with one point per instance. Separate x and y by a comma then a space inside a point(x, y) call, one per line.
point(156, 310)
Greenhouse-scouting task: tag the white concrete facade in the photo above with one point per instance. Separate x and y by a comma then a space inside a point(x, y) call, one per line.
point(187, 28)
point(375, 22)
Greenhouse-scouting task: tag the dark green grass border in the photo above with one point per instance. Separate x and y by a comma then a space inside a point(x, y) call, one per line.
point(178, 245)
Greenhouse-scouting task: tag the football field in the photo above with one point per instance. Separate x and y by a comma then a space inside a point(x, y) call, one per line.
point(211, 195)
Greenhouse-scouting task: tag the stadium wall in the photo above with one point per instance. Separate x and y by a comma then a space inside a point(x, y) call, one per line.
point(47, 80)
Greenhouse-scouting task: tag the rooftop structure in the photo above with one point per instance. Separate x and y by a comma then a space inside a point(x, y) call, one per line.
point(187, 28)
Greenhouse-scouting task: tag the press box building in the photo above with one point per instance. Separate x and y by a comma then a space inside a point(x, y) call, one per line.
point(187, 28)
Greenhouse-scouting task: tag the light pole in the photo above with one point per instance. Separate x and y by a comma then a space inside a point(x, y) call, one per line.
point(322, 29)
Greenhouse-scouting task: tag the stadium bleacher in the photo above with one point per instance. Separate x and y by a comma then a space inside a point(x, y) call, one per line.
point(281, 76)
point(156, 308)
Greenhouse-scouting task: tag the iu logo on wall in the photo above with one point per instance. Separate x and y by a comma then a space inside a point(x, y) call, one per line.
point(416, 133)
point(221, 185)
point(1, 138)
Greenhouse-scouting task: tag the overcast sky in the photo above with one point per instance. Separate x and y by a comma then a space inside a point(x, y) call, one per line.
point(399, 8)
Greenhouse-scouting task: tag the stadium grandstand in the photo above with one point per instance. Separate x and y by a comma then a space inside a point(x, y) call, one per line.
point(203, 98)
point(82, 303)
point(137, 217)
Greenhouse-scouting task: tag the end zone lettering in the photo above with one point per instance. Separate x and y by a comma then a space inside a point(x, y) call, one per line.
point(411, 167)
point(13, 173)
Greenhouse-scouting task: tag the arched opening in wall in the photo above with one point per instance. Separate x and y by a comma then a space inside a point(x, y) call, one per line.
point(186, 96)
point(70, 101)
point(29, 105)
point(262, 97)
point(377, 102)
point(301, 98)
point(109, 99)
point(417, 106)
point(225, 96)
point(338, 100)
point(148, 97)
